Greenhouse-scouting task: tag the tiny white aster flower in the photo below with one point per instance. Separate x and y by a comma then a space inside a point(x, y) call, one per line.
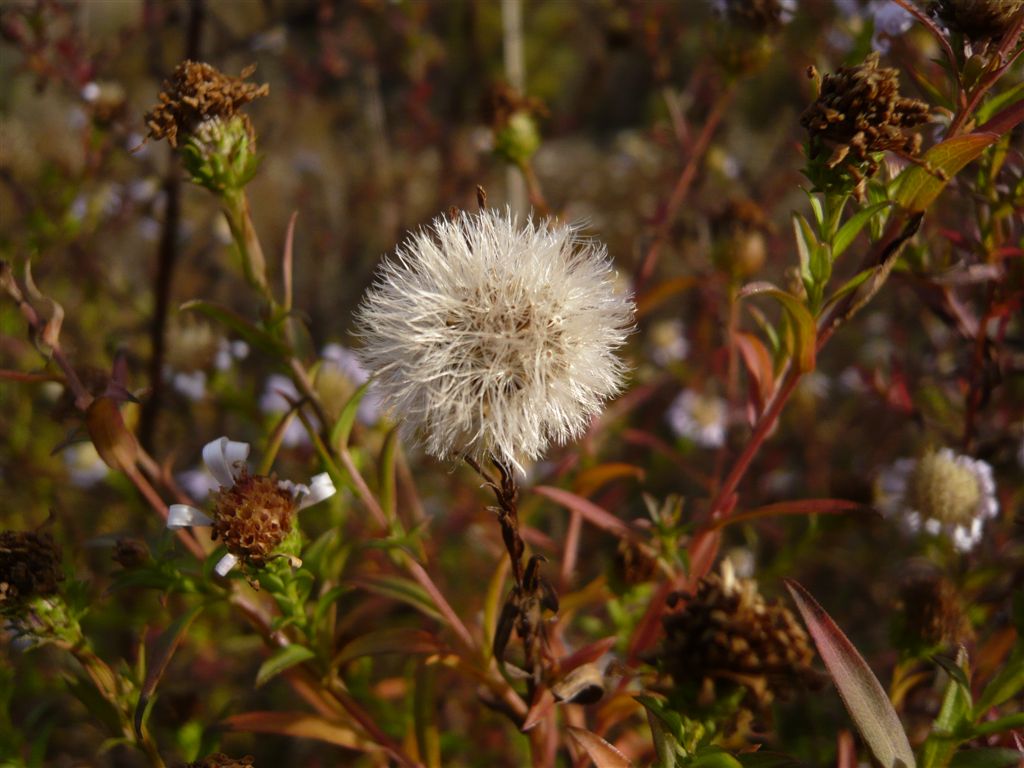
point(668, 342)
point(278, 394)
point(346, 362)
point(84, 464)
point(941, 492)
point(252, 513)
point(700, 418)
point(493, 338)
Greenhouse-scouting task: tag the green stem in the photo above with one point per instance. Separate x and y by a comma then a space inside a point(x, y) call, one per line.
point(254, 265)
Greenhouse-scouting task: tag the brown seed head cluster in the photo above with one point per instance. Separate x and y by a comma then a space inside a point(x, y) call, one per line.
point(727, 633)
point(220, 760)
point(860, 111)
point(29, 567)
point(252, 517)
point(978, 20)
point(197, 92)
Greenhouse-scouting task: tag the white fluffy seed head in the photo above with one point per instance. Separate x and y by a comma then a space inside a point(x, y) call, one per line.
point(491, 338)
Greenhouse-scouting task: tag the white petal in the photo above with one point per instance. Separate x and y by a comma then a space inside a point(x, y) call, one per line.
point(933, 526)
point(225, 459)
point(320, 487)
point(183, 516)
point(225, 564)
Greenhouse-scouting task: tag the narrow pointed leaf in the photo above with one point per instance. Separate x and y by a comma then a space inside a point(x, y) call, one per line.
point(803, 322)
point(167, 645)
point(343, 426)
point(986, 758)
point(849, 231)
point(601, 752)
point(299, 725)
point(918, 186)
point(863, 695)
point(401, 640)
point(592, 513)
point(282, 659)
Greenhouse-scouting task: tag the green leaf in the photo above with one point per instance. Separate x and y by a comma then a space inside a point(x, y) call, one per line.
point(714, 757)
point(849, 231)
point(956, 706)
point(428, 736)
point(167, 645)
point(403, 590)
point(400, 640)
point(862, 694)
point(282, 659)
point(666, 730)
point(1009, 96)
point(917, 187)
point(1002, 725)
point(1005, 685)
point(803, 324)
point(386, 470)
point(986, 758)
point(343, 426)
point(227, 317)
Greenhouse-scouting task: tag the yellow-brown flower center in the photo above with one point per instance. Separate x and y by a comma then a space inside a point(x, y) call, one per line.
point(252, 517)
point(941, 489)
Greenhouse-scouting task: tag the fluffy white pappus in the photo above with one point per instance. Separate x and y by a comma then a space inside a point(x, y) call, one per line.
point(494, 338)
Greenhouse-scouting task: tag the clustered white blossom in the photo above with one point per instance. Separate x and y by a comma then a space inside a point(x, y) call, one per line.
point(941, 492)
point(490, 337)
point(699, 417)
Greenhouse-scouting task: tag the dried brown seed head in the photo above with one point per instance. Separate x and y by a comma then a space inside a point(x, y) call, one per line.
point(198, 92)
point(860, 111)
point(29, 567)
point(727, 633)
point(252, 517)
point(978, 20)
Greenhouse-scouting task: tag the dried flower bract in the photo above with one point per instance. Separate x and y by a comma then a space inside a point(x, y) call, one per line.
point(29, 567)
point(859, 112)
point(492, 338)
point(198, 92)
point(727, 633)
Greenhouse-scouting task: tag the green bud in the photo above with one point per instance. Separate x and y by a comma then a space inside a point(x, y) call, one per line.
point(219, 154)
point(518, 139)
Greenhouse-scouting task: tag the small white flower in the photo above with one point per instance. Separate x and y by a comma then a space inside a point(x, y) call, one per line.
point(941, 492)
point(668, 342)
point(891, 20)
point(278, 394)
point(191, 384)
point(488, 337)
point(346, 362)
point(252, 514)
point(84, 464)
point(699, 418)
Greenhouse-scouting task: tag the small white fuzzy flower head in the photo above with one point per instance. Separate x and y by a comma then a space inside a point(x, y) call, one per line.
point(941, 492)
point(493, 338)
point(698, 417)
point(252, 514)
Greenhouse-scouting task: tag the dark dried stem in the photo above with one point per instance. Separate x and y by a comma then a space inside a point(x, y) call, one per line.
point(506, 493)
point(167, 254)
